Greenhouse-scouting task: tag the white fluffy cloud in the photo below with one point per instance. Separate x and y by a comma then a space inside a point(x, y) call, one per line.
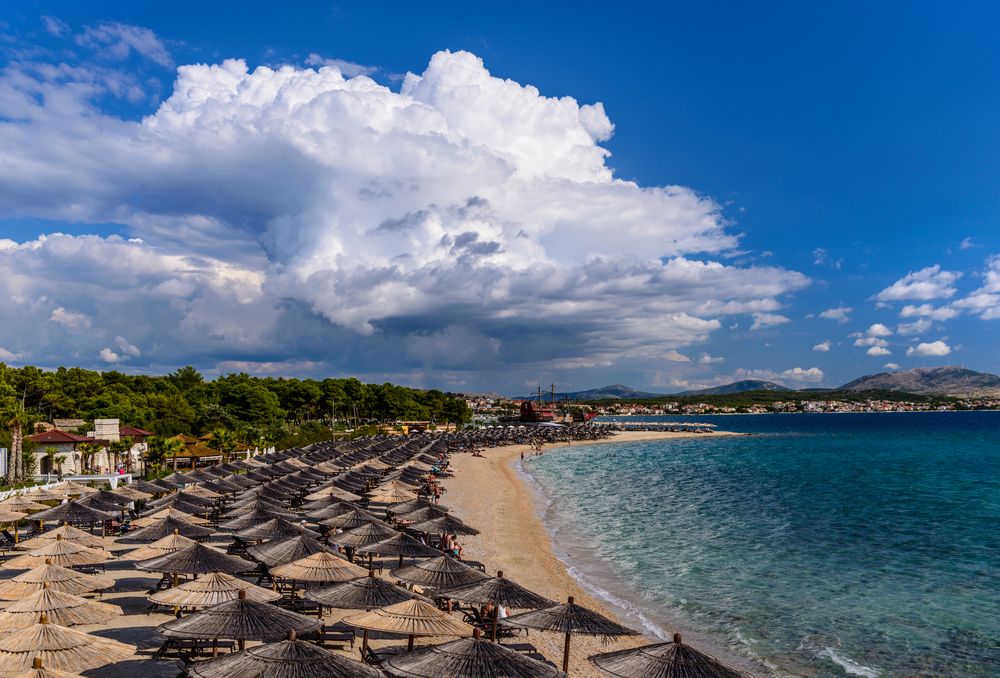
point(466, 221)
point(823, 346)
point(878, 330)
point(706, 359)
point(839, 313)
point(810, 375)
point(985, 301)
point(762, 320)
point(931, 349)
point(924, 285)
point(918, 326)
point(878, 351)
point(891, 366)
point(927, 311)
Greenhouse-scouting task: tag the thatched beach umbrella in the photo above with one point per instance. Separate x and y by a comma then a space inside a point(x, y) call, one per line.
point(64, 609)
point(662, 660)
point(57, 578)
point(443, 572)
point(499, 591)
point(212, 589)
point(569, 618)
point(369, 533)
point(469, 658)
point(165, 528)
point(11, 516)
point(39, 670)
point(447, 524)
point(281, 551)
point(73, 512)
point(291, 658)
point(73, 488)
point(275, 528)
point(351, 519)
point(59, 648)
point(421, 515)
point(58, 552)
point(196, 559)
point(133, 494)
point(410, 618)
point(240, 620)
point(363, 593)
point(67, 533)
point(391, 495)
point(402, 545)
point(184, 500)
point(169, 512)
point(141, 485)
point(252, 519)
point(43, 494)
point(22, 503)
point(319, 567)
point(335, 492)
point(161, 547)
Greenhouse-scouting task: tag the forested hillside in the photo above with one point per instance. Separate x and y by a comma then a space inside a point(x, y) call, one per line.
point(254, 408)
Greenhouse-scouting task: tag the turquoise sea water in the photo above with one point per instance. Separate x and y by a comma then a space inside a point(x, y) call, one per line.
point(824, 545)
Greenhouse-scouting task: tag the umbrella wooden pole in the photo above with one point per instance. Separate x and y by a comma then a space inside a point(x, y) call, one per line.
point(566, 655)
point(409, 644)
point(364, 641)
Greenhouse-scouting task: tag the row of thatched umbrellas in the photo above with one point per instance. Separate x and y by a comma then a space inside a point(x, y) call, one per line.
point(257, 508)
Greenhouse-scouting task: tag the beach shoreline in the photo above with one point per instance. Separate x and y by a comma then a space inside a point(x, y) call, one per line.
point(494, 495)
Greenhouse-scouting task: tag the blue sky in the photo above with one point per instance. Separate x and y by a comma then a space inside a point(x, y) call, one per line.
point(462, 230)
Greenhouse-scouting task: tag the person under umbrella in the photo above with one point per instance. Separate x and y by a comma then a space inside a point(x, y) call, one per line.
point(240, 620)
point(499, 592)
point(662, 660)
point(469, 658)
point(569, 618)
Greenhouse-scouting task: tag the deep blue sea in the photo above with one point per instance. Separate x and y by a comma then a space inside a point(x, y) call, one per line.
point(823, 545)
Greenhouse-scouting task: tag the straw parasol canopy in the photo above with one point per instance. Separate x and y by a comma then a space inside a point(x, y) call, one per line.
point(73, 512)
point(369, 533)
point(252, 519)
point(133, 494)
point(212, 589)
point(291, 658)
point(57, 578)
point(64, 609)
point(184, 499)
point(391, 495)
point(141, 485)
point(662, 660)
point(319, 567)
point(68, 533)
point(335, 492)
point(22, 503)
point(569, 618)
point(72, 487)
point(443, 572)
point(165, 528)
point(281, 551)
point(58, 552)
point(363, 593)
point(241, 619)
point(38, 670)
point(469, 658)
point(421, 514)
point(43, 494)
point(169, 512)
point(59, 648)
point(411, 506)
point(410, 618)
point(402, 545)
point(499, 591)
point(161, 547)
point(10, 516)
point(196, 559)
point(276, 528)
point(351, 519)
point(448, 524)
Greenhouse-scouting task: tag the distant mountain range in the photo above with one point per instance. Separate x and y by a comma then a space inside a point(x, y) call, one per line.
point(949, 381)
point(952, 381)
point(738, 387)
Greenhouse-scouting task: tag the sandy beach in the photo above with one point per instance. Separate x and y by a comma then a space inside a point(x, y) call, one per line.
point(489, 492)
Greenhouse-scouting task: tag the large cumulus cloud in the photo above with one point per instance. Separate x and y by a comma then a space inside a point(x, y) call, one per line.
point(464, 222)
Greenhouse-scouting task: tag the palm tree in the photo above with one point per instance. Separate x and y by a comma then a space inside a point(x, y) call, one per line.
point(160, 449)
point(87, 452)
point(224, 441)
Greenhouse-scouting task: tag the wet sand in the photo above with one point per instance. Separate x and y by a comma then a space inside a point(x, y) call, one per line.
point(489, 493)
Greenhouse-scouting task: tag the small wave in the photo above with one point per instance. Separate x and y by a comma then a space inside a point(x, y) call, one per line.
point(849, 665)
